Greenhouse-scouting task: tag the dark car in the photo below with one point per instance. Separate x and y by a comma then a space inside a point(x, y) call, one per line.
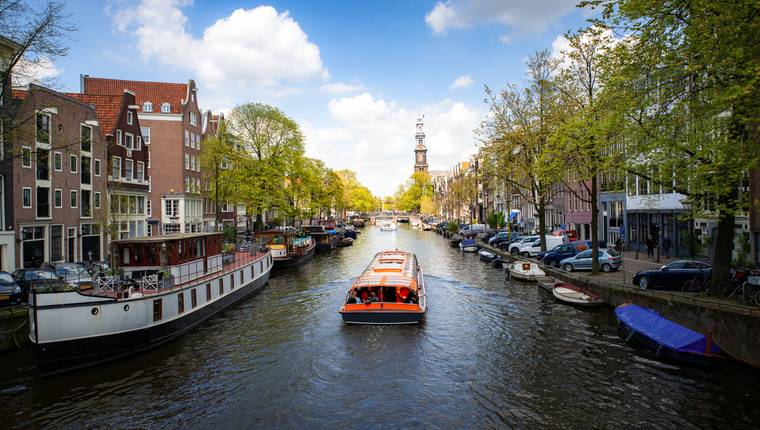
point(674, 276)
point(28, 278)
point(566, 250)
point(10, 292)
point(503, 236)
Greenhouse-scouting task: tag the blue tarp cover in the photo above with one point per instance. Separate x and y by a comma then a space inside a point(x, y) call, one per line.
point(663, 331)
point(469, 242)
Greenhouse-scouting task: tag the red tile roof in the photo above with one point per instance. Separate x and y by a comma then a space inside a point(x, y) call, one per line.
point(19, 94)
point(154, 92)
point(107, 108)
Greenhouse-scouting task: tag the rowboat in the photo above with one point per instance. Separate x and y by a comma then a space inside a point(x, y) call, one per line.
point(390, 291)
point(487, 256)
point(546, 284)
point(666, 337)
point(469, 245)
point(572, 295)
point(525, 271)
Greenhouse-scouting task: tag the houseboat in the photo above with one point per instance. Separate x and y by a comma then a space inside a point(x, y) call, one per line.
point(390, 291)
point(289, 248)
point(326, 239)
point(170, 284)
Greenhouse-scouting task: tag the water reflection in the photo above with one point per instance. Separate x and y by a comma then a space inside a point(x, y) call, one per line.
point(489, 354)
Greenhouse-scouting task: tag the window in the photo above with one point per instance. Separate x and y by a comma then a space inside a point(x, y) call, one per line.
point(187, 161)
point(180, 302)
point(58, 198)
point(43, 202)
point(138, 143)
point(97, 199)
point(73, 199)
point(166, 108)
point(118, 137)
point(147, 205)
point(145, 131)
point(193, 298)
point(27, 197)
point(96, 169)
point(187, 184)
point(193, 119)
point(147, 154)
point(147, 107)
point(192, 162)
point(56, 242)
point(129, 140)
point(187, 138)
point(130, 117)
point(85, 139)
point(57, 161)
point(86, 206)
point(43, 128)
point(221, 287)
point(171, 207)
point(197, 185)
point(232, 281)
point(116, 167)
point(141, 205)
point(140, 171)
point(128, 164)
point(73, 163)
point(157, 310)
point(43, 164)
point(198, 143)
point(26, 156)
point(208, 292)
point(86, 170)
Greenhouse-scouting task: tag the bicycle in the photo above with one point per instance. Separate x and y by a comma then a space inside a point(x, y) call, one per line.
point(748, 292)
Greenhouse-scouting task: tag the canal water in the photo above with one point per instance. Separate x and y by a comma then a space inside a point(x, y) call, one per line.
point(489, 354)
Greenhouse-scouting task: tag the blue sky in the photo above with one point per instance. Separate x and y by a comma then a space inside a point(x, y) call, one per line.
point(353, 74)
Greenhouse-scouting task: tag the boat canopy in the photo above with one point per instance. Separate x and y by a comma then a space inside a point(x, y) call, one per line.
point(391, 269)
point(663, 331)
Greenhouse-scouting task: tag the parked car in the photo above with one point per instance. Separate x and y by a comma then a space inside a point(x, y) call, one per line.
point(530, 249)
point(673, 275)
point(29, 278)
point(514, 247)
point(10, 292)
point(502, 236)
point(469, 230)
point(73, 274)
point(609, 260)
point(560, 252)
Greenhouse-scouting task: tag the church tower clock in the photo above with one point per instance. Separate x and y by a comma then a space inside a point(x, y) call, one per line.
point(420, 151)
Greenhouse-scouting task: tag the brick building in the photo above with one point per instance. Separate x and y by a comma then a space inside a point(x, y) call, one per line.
point(172, 127)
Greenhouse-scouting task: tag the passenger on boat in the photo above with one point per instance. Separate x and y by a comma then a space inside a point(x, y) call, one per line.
point(372, 297)
point(352, 299)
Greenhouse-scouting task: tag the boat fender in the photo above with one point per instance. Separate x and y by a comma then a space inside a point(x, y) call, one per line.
point(631, 333)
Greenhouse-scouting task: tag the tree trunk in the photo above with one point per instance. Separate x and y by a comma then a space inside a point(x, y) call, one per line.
point(594, 226)
point(724, 244)
point(541, 211)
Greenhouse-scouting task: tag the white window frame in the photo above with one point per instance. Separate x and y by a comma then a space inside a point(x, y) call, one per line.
point(129, 162)
point(58, 155)
point(147, 107)
point(144, 135)
point(140, 171)
point(138, 142)
point(96, 166)
point(24, 148)
point(75, 195)
point(31, 200)
point(148, 209)
point(73, 164)
point(130, 117)
point(166, 107)
point(118, 137)
point(132, 143)
point(187, 138)
point(187, 161)
point(56, 191)
point(114, 162)
point(96, 200)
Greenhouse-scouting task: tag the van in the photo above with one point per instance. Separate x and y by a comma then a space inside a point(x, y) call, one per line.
point(530, 249)
point(472, 229)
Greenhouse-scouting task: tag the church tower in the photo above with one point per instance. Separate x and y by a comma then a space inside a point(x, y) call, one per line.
point(420, 151)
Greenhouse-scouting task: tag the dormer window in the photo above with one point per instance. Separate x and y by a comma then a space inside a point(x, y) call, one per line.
point(130, 117)
point(166, 108)
point(147, 107)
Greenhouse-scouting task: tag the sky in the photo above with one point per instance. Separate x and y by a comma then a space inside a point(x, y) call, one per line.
point(355, 75)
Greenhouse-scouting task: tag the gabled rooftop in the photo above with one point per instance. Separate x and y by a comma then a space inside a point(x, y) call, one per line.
point(156, 93)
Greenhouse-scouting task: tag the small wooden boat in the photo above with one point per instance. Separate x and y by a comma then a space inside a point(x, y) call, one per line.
point(572, 295)
point(667, 338)
point(486, 255)
point(346, 241)
point(499, 263)
point(469, 245)
point(546, 284)
point(525, 271)
point(390, 291)
point(455, 239)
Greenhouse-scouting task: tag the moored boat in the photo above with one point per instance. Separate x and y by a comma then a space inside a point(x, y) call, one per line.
point(326, 239)
point(469, 245)
point(525, 271)
point(486, 255)
point(666, 337)
point(386, 224)
point(572, 295)
point(170, 284)
point(390, 291)
point(289, 248)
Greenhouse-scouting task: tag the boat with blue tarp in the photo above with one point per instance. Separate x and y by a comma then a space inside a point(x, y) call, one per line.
point(666, 337)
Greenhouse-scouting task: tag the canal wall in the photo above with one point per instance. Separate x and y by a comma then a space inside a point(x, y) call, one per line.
point(735, 327)
point(14, 327)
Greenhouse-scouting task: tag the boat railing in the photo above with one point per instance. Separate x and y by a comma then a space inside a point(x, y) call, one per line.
point(109, 283)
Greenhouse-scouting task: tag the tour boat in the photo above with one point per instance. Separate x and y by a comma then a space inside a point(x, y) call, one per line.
point(525, 271)
point(326, 239)
point(289, 248)
point(666, 337)
point(390, 291)
point(469, 245)
point(572, 295)
point(170, 284)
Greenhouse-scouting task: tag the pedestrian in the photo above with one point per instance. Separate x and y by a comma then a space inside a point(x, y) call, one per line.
point(650, 246)
point(666, 246)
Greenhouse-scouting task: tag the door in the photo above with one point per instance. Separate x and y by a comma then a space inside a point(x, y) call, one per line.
point(583, 260)
point(71, 251)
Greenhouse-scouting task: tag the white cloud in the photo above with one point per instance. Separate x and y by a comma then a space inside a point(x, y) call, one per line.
point(505, 39)
point(463, 81)
point(523, 16)
point(252, 50)
point(341, 88)
point(375, 138)
point(561, 45)
point(38, 71)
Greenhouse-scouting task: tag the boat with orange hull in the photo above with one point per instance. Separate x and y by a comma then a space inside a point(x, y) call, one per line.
point(390, 291)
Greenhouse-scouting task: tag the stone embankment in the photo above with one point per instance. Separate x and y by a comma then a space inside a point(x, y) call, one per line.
point(735, 327)
point(14, 327)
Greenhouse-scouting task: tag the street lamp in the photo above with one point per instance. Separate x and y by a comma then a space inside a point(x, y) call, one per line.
point(689, 207)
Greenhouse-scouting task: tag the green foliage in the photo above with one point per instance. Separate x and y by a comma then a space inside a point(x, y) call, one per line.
point(743, 251)
point(493, 220)
point(452, 227)
point(417, 190)
point(229, 233)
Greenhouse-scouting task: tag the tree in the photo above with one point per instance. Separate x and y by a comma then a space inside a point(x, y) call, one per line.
point(689, 89)
point(417, 190)
point(218, 158)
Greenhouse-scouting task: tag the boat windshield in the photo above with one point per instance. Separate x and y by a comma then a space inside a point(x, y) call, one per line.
point(378, 294)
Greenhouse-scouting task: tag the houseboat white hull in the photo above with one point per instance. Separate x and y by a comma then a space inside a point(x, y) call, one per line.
point(71, 330)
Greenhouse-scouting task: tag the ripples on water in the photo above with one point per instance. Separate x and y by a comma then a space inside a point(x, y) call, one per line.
point(489, 354)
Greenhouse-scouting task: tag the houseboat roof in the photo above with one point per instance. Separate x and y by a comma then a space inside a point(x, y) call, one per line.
point(166, 237)
point(390, 268)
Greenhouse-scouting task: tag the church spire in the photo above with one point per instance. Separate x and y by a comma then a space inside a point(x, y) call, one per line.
point(420, 151)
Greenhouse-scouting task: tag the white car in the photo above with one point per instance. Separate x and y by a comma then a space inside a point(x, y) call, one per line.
point(514, 247)
point(285, 228)
point(530, 249)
